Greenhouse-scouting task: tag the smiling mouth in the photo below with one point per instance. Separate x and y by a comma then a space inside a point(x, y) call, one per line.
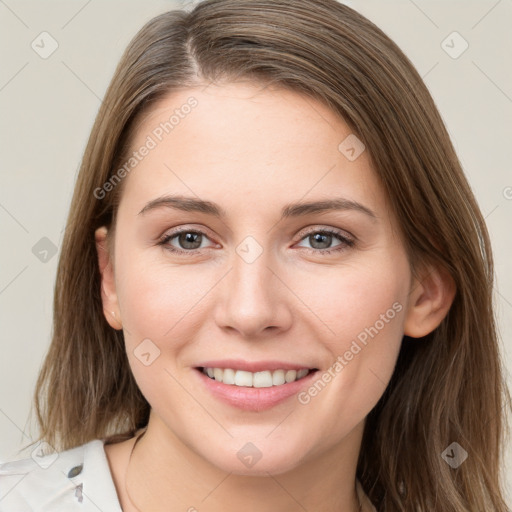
point(263, 379)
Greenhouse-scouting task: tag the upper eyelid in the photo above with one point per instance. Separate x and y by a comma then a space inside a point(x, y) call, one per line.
point(331, 230)
point(178, 230)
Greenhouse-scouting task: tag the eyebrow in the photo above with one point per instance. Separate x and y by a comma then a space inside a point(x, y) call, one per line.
point(299, 209)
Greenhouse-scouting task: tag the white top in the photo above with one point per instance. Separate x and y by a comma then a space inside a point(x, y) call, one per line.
point(78, 479)
point(42, 484)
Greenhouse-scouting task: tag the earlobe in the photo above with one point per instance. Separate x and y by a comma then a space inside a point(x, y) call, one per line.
point(429, 302)
point(108, 286)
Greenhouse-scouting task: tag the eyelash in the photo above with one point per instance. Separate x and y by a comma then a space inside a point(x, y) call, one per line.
point(345, 242)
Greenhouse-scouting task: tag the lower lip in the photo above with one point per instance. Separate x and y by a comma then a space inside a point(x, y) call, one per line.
point(254, 399)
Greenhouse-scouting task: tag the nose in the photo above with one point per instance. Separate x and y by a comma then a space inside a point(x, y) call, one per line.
point(253, 300)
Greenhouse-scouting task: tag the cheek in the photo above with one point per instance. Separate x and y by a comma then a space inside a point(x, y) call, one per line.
point(355, 301)
point(362, 311)
point(370, 312)
point(155, 296)
point(158, 304)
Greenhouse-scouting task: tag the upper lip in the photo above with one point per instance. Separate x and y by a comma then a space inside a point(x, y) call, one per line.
point(253, 366)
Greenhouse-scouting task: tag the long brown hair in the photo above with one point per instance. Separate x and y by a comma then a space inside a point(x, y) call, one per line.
point(447, 386)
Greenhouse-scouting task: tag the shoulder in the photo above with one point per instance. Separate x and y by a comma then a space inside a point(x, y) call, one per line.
point(75, 479)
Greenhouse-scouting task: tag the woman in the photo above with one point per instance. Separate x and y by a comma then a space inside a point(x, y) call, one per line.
point(275, 288)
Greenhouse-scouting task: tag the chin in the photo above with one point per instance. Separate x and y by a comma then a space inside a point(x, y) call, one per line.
point(248, 460)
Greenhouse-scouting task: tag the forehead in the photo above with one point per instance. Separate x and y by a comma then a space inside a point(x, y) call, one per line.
point(242, 142)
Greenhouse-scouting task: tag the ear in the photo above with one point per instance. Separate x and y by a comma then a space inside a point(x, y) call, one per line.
point(429, 302)
point(108, 285)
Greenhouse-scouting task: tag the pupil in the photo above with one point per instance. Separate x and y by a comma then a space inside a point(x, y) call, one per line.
point(188, 239)
point(322, 239)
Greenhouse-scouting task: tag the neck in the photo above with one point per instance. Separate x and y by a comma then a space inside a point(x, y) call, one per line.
point(165, 474)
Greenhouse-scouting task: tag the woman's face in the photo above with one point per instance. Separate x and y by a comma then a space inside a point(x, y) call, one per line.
point(258, 281)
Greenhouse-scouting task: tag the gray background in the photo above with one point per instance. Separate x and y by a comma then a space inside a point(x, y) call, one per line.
point(48, 106)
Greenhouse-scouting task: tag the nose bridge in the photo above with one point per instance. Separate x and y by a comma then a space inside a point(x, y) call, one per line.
point(251, 270)
point(252, 298)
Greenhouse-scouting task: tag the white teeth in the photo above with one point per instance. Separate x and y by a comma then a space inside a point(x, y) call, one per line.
point(229, 376)
point(264, 379)
point(278, 378)
point(302, 373)
point(241, 378)
point(290, 375)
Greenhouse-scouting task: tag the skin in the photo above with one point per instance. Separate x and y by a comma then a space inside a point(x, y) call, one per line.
point(252, 150)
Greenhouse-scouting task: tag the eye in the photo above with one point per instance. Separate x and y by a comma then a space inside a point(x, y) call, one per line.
point(188, 240)
point(321, 240)
point(191, 240)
